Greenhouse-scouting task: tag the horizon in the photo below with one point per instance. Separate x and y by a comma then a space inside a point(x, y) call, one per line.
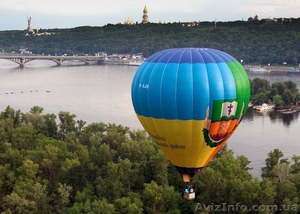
point(150, 23)
point(67, 14)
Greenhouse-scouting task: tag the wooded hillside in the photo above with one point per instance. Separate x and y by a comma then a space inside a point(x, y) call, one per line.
point(254, 42)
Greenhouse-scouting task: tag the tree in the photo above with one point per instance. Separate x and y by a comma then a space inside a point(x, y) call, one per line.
point(36, 110)
point(24, 137)
point(159, 165)
point(14, 203)
point(280, 86)
point(296, 165)
point(28, 190)
point(99, 206)
point(275, 157)
point(160, 199)
point(67, 124)
point(273, 92)
point(287, 97)
point(223, 179)
point(6, 130)
point(261, 98)
point(281, 172)
point(259, 84)
point(277, 100)
point(64, 193)
point(12, 114)
point(131, 204)
point(54, 160)
point(292, 86)
point(109, 185)
point(35, 120)
point(50, 126)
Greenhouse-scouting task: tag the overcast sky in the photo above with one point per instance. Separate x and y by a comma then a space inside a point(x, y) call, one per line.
point(50, 14)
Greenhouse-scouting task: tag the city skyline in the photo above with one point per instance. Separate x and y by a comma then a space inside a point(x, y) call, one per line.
point(68, 14)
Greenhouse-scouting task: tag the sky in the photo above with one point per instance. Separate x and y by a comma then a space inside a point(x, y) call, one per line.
point(51, 14)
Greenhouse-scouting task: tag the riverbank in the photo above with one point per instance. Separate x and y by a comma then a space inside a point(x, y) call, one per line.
point(122, 62)
point(269, 69)
point(248, 68)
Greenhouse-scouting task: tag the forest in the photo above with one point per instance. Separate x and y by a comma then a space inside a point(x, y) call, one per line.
point(253, 42)
point(58, 164)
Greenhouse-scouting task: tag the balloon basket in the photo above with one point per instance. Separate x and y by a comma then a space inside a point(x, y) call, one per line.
point(189, 196)
point(189, 193)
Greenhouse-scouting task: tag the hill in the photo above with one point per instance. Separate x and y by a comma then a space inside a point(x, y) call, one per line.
point(253, 42)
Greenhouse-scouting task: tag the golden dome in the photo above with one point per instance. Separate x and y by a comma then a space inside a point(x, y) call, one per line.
point(145, 10)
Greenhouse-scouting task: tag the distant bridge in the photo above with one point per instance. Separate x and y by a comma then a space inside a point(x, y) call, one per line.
point(23, 59)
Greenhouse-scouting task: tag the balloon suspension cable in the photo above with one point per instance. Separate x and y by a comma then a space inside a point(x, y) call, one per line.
point(189, 186)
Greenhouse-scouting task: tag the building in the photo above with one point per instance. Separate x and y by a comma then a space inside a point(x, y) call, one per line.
point(145, 15)
point(129, 21)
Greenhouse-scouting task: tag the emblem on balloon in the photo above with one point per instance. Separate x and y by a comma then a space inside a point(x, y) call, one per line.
point(225, 127)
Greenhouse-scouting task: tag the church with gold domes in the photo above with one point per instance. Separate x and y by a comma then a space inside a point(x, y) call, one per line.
point(145, 20)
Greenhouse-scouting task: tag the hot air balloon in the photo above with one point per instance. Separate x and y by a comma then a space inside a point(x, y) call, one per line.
point(190, 101)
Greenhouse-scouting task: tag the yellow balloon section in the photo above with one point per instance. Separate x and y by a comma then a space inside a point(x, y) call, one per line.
point(181, 141)
point(190, 101)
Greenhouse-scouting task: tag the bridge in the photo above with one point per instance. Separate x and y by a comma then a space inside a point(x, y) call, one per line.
point(23, 59)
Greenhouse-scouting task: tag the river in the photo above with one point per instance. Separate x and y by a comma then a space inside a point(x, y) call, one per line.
point(101, 93)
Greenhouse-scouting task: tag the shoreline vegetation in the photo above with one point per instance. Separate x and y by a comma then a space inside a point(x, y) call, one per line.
point(57, 164)
point(274, 96)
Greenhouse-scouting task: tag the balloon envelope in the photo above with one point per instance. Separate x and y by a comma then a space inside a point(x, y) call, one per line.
point(190, 101)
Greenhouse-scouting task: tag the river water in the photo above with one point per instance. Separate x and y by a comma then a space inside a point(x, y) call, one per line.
point(101, 93)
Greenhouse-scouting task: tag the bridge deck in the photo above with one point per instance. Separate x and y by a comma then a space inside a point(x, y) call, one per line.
point(23, 59)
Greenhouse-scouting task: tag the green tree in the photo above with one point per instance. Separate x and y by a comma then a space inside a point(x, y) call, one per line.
point(284, 187)
point(159, 166)
point(12, 114)
point(277, 100)
point(110, 185)
point(261, 98)
point(54, 160)
point(63, 200)
point(67, 124)
point(296, 165)
point(6, 130)
point(13, 203)
point(36, 110)
point(287, 97)
point(28, 191)
point(50, 127)
point(223, 178)
point(160, 199)
point(292, 86)
point(23, 137)
point(99, 206)
point(259, 85)
point(280, 86)
point(131, 204)
point(275, 157)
